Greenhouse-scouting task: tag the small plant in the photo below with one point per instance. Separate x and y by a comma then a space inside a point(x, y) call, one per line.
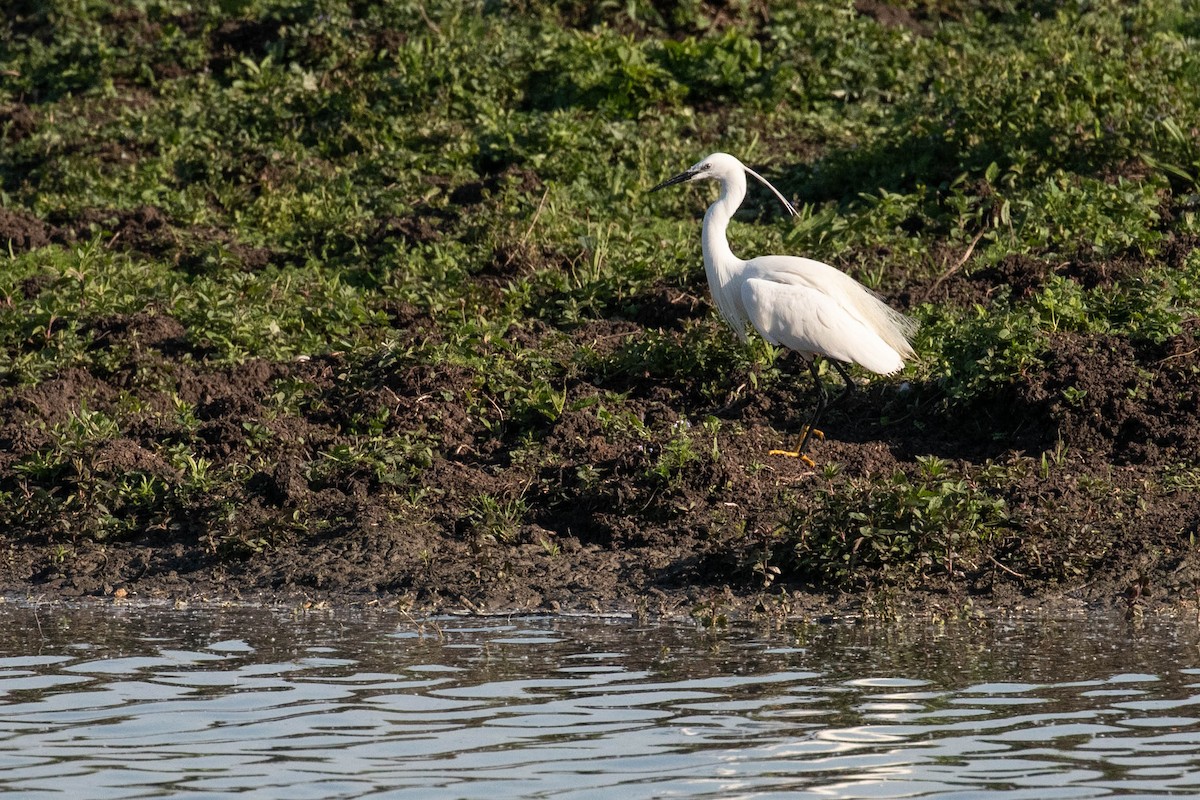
point(43, 466)
point(258, 435)
point(712, 614)
point(197, 475)
point(1074, 396)
point(289, 394)
point(494, 519)
point(676, 453)
point(712, 427)
point(137, 490)
point(84, 427)
point(389, 460)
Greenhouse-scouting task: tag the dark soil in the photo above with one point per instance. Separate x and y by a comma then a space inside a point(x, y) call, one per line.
point(16, 122)
point(20, 231)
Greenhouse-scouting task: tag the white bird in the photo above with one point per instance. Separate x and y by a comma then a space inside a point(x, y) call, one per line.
point(802, 304)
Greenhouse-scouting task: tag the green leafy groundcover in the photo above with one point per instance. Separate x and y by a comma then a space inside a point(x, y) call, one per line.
point(341, 296)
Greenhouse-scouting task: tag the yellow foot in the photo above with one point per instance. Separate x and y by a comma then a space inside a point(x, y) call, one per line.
point(793, 454)
point(814, 433)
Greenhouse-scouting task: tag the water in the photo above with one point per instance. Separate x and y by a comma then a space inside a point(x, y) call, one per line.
point(147, 702)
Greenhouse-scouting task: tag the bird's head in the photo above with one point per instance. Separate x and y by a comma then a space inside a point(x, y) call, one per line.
point(721, 167)
point(714, 167)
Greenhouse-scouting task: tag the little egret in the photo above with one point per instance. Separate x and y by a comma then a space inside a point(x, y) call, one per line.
point(804, 305)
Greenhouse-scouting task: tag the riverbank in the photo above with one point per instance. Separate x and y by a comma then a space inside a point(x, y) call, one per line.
point(371, 305)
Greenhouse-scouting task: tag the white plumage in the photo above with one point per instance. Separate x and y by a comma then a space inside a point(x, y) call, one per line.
point(802, 304)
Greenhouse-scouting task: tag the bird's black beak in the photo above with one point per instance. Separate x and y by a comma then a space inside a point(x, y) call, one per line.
point(680, 178)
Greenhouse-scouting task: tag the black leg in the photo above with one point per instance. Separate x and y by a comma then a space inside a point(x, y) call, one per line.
point(822, 402)
point(849, 387)
point(810, 427)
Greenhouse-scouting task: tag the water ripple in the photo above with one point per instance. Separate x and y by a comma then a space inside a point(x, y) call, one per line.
point(170, 704)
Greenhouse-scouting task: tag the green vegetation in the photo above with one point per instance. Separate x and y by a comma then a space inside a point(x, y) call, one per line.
point(272, 270)
point(894, 522)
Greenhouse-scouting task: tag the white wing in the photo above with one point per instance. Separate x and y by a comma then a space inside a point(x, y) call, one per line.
point(810, 321)
point(855, 299)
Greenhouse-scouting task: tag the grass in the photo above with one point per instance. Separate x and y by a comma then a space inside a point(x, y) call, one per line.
point(412, 190)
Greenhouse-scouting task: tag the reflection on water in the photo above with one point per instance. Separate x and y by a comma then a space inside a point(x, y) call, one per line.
point(137, 702)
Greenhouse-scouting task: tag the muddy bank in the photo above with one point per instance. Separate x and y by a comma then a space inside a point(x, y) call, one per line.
point(368, 479)
point(304, 309)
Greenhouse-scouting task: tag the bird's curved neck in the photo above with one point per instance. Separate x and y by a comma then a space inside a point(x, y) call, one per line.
point(720, 264)
point(718, 257)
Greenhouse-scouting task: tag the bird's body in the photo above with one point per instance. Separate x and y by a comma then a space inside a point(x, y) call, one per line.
point(801, 304)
